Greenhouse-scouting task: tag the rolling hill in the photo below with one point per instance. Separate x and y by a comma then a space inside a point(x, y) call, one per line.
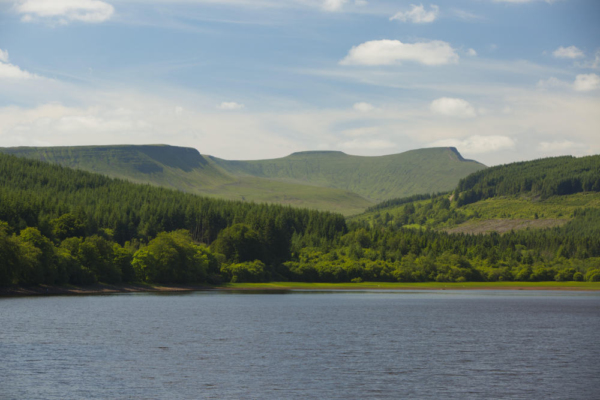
point(331, 181)
point(375, 178)
point(541, 193)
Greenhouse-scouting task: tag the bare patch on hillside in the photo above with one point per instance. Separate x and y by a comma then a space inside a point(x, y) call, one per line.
point(505, 225)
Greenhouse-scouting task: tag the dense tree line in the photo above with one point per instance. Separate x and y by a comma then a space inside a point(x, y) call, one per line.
point(546, 177)
point(66, 226)
point(33, 193)
point(400, 201)
point(65, 205)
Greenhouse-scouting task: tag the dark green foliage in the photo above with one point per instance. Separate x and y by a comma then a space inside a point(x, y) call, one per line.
point(10, 256)
point(239, 243)
point(32, 192)
point(331, 181)
point(254, 271)
point(171, 258)
point(84, 215)
point(67, 226)
point(545, 177)
point(41, 263)
point(400, 201)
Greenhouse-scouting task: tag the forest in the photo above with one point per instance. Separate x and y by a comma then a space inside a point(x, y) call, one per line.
point(544, 177)
point(65, 226)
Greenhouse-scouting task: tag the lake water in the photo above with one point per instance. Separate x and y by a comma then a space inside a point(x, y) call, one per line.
point(419, 345)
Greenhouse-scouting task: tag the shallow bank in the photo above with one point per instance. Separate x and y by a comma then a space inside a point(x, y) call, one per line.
point(53, 290)
point(100, 289)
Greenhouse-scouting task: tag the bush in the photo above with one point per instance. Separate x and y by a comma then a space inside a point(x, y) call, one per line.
point(593, 275)
point(246, 272)
point(171, 258)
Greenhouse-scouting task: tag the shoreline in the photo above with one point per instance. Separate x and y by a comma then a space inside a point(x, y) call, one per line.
point(105, 289)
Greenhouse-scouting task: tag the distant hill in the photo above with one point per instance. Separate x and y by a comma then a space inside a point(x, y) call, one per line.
point(375, 178)
point(332, 181)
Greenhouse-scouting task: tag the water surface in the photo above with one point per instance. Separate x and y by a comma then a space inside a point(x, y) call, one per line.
point(422, 345)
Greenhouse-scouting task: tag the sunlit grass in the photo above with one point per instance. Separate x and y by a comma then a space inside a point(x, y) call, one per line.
point(417, 285)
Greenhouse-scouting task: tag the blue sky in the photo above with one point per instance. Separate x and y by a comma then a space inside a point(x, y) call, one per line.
point(501, 80)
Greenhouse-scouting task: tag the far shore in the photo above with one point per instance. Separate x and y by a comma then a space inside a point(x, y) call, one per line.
point(103, 289)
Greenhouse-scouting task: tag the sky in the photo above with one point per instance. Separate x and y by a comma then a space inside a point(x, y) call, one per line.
point(500, 80)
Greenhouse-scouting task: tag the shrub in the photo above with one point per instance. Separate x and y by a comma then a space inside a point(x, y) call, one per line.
point(246, 272)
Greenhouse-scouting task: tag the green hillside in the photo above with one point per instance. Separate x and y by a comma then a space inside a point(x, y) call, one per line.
point(376, 178)
point(185, 169)
point(64, 226)
point(536, 194)
point(330, 181)
point(60, 225)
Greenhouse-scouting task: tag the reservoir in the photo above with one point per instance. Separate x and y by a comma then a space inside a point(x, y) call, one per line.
point(296, 345)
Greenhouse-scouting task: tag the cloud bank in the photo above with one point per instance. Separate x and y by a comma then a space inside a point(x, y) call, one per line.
point(65, 11)
point(450, 107)
point(391, 52)
point(478, 144)
point(417, 14)
point(568, 52)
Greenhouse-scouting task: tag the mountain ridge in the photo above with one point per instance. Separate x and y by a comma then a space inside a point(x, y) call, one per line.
point(325, 180)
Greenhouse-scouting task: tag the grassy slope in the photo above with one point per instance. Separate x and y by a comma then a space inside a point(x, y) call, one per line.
point(503, 214)
point(331, 181)
point(375, 178)
point(185, 169)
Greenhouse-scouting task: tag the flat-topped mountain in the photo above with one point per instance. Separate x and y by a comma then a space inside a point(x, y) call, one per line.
point(375, 178)
point(326, 180)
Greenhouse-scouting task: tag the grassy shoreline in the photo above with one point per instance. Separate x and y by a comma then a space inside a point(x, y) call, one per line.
point(587, 286)
point(103, 289)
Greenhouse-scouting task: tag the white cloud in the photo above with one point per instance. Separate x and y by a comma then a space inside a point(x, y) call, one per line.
point(65, 11)
point(558, 146)
point(568, 52)
point(3, 56)
point(230, 105)
point(333, 5)
point(140, 118)
point(472, 53)
point(466, 15)
point(590, 63)
point(450, 107)
point(477, 144)
point(390, 52)
point(586, 82)
point(418, 14)
point(10, 71)
point(582, 83)
point(364, 107)
point(553, 82)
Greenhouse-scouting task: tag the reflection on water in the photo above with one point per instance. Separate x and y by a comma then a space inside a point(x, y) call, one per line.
point(443, 344)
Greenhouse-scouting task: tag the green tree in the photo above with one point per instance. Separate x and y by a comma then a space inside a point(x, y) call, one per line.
point(97, 254)
point(66, 226)
point(43, 261)
point(239, 243)
point(246, 272)
point(9, 256)
point(171, 258)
